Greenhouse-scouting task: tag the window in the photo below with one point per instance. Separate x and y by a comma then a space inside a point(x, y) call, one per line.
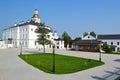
point(25, 43)
point(48, 36)
point(58, 43)
point(111, 43)
point(118, 49)
point(23, 36)
point(26, 36)
point(31, 29)
point(95, 48)
point(53, 34)
point(117, 43)
point(35, 42)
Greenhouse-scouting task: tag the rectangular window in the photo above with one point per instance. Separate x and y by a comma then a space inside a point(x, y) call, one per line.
point(35, 42)
point(31, 29)
point(23, 36)
point(111, 43)
point(25, 43)
point(117, 43)
point(26, 36)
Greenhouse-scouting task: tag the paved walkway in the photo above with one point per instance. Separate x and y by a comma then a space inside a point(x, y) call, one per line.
point(13, 68)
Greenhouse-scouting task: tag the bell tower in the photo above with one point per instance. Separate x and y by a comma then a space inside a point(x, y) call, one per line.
point(36, 17)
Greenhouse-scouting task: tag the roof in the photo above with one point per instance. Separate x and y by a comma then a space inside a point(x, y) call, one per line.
point(87, 42)
point(59, 39)
point(22, 24)
point(112, 36)
point(27, 23)
point(88, 37)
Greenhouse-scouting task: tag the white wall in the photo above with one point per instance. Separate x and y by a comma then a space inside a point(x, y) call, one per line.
point(26, 36)
point(59, 44)
point(115, 41)
point(32, 36)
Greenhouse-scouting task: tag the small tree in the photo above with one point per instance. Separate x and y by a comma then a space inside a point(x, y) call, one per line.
point(85, 34)
point(106, 48)
point(77, 39)
point(67, 39)
point(42, 35)
point(93, 34)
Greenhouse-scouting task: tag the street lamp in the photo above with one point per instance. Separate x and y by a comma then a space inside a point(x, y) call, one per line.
point(53, 67)
point(20, 48)
point(100, 53)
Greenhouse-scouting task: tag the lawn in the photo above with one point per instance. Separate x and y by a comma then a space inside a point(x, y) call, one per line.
point(63, 64)
point(115, 53)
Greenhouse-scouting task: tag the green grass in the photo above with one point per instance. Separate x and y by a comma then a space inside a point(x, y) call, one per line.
point(117, 53)
point(63, 64)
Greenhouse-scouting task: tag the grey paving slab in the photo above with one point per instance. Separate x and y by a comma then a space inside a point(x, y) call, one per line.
point(13, 68)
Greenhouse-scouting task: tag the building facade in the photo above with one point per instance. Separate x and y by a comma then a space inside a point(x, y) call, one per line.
point(113, 40)
point(59, 43)
point(24, 34)
point(88, 43)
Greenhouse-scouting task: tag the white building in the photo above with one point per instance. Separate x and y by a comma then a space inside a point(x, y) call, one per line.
point(59, 43)
point(90, 43)
point(111, 39)
point(24, 34)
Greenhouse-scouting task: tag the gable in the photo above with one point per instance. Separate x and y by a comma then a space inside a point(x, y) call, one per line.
point(88, 37)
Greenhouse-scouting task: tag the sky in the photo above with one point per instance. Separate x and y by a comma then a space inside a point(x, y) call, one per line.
point(73, 16)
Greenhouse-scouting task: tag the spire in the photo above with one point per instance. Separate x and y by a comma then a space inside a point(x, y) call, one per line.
point(36, 17)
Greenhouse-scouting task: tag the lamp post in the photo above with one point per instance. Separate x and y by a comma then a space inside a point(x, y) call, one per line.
point(100, 53)
point(53, 67)
point(20, 48)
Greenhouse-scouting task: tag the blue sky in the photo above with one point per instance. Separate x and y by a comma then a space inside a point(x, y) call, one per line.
point(73, 16)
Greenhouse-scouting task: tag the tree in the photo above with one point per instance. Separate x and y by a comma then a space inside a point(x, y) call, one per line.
point(93, 34)
point(77, 39)
point(85, 34)
point(106, 48)
point(42, 35)
point(67, 39)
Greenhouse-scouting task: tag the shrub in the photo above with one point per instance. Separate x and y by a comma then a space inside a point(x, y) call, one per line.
point(106, 48)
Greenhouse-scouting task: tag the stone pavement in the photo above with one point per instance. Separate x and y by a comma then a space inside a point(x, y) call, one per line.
point(14, 68)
